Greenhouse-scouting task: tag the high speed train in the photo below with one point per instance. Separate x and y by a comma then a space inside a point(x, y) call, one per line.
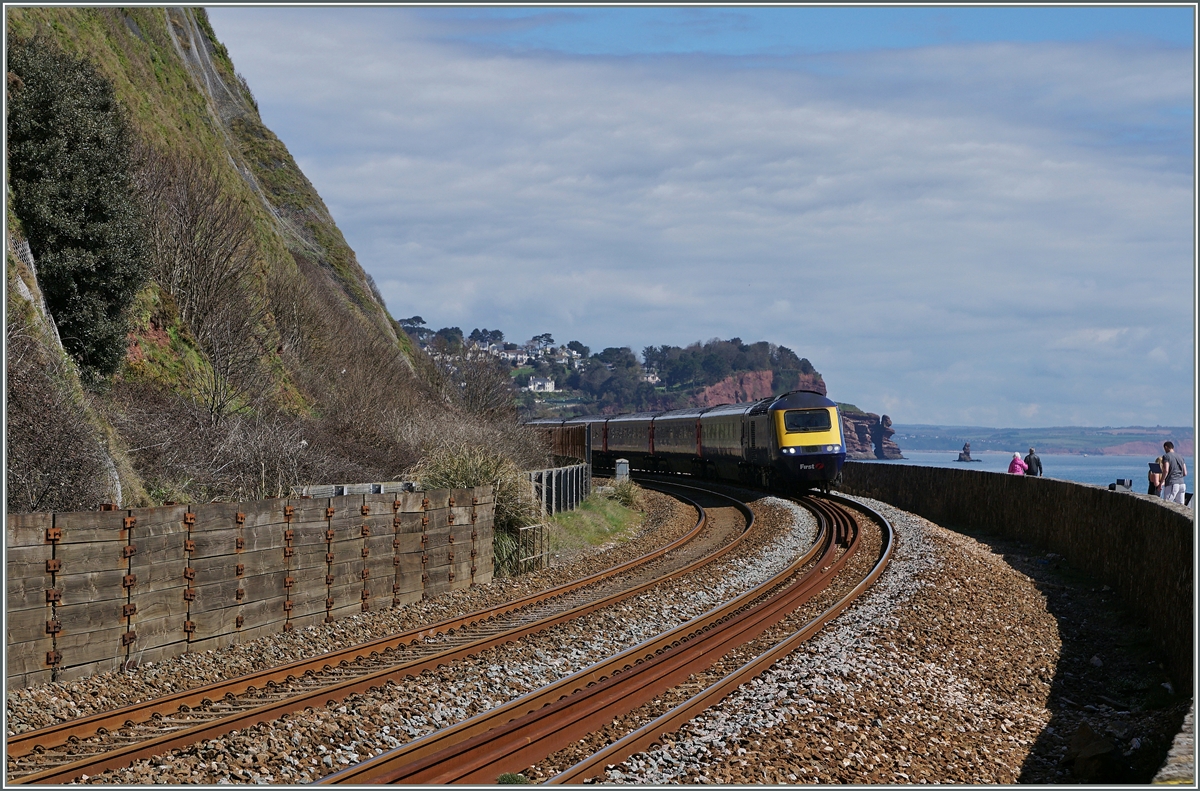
point(790, 441)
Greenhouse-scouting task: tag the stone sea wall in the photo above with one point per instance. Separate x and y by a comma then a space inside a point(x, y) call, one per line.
point(1139, 545)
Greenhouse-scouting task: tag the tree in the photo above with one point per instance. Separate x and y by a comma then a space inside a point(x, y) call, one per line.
point(69, 171)
point(618, 357)
point(448, 340)
point(578, 347)
point(415, 326)
point(204, 255)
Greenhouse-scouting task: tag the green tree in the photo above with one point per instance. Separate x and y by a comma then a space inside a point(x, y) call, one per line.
point(69, 160)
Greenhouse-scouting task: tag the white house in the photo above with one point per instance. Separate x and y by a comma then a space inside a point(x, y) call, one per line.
point(539, 385)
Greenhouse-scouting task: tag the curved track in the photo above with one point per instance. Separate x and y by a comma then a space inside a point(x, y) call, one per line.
point(517, 735)
point(117, 738)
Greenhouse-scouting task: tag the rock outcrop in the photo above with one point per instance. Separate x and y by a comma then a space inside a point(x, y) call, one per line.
point(750, 386)
point(740, 388)
point(869, 436)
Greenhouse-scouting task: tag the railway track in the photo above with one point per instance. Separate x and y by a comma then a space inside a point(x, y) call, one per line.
point(525, 731)
point(108, 740)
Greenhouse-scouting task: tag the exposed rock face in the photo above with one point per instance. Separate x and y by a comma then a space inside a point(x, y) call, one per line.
point(869, 436)
point(812, 382)
point(750, 386)
point(737, 389)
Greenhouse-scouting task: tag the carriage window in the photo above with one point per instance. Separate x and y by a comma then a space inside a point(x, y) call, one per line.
point(807, 420)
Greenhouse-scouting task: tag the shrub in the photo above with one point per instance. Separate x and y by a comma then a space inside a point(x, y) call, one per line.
point(461, 466)
point(69, 171)
point(627, 493)
point(513, 778)
point(466, 466)
point(55, 459)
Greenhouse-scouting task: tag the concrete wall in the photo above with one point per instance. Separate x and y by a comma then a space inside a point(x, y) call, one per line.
point(91, 591)
point(1137, 544)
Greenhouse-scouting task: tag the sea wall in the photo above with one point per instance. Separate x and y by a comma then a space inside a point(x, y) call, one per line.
point(1139, 545)
point(93, 591)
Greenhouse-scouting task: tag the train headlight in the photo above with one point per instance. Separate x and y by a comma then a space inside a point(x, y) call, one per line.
point(829, 447)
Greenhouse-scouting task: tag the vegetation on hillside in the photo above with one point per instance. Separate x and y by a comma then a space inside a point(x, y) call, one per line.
point(713, 361)
point(612, 380)
point(70, 173)
point(219, 339)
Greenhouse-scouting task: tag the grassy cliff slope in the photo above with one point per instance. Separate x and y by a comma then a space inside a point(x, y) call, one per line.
point(287, 369)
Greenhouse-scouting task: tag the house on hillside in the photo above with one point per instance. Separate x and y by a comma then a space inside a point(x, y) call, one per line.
point(514, 356)
point(539, 385)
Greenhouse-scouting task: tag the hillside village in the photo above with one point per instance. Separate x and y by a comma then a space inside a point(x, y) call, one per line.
point(568, 379)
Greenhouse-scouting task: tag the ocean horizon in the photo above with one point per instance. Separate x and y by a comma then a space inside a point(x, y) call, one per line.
point(1097, 470)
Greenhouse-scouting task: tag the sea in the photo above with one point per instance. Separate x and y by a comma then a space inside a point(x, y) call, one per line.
point(1096, 470)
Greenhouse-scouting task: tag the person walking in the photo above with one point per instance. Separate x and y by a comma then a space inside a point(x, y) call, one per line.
point(1033, 465)
point(1016, 466)
point(1155, 478)
point(1174, 473)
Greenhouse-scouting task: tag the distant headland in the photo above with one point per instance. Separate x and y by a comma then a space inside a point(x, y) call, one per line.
point(1078, 440)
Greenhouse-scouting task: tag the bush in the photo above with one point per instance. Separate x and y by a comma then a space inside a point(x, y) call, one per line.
point(462, 466)
point(513, 778)
point(466, 466)
point(55, 459)
point(627, 493)
point(69, 171)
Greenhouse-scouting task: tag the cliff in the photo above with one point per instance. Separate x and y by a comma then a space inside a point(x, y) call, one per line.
point(869, 436)
point(750, 386)
point(252, 351)
point(737, 389)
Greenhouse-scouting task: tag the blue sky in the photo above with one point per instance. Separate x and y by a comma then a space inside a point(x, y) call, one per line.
point(782, 31)
point(959, 215)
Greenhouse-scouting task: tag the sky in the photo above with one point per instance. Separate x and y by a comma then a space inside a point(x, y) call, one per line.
point(960, 216)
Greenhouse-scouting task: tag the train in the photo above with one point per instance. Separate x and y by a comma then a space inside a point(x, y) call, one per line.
point(792, 441)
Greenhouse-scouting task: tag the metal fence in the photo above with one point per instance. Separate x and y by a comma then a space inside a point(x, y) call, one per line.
point(561, 488)
point(558, 489)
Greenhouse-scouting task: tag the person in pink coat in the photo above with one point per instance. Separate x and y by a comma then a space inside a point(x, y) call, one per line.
point(1017, 466)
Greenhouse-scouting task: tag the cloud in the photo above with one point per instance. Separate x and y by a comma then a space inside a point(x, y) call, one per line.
point(971, 223)
point(1090, 337)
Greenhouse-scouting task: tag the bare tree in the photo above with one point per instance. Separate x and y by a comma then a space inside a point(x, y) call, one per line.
point(204, 255)
point(55, 459)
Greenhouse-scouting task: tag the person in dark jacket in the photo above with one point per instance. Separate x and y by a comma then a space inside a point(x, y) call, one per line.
point(1033, 465)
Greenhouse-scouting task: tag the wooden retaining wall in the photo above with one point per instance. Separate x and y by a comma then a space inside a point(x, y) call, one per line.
point(92, 591)
point(1139, 545)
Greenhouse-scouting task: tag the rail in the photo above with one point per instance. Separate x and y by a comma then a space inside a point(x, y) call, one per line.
point(56, 754)
point(514, 736)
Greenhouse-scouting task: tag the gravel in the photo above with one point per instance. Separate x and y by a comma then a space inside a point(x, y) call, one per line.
point(952, 669)
point(47, 704)
point(971, 660)
point(306, 745)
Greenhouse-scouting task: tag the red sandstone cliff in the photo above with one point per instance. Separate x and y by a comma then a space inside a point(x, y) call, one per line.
point(864, 432)
point(750, 386)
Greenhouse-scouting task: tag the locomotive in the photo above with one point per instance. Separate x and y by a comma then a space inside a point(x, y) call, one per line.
point(785, 442)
